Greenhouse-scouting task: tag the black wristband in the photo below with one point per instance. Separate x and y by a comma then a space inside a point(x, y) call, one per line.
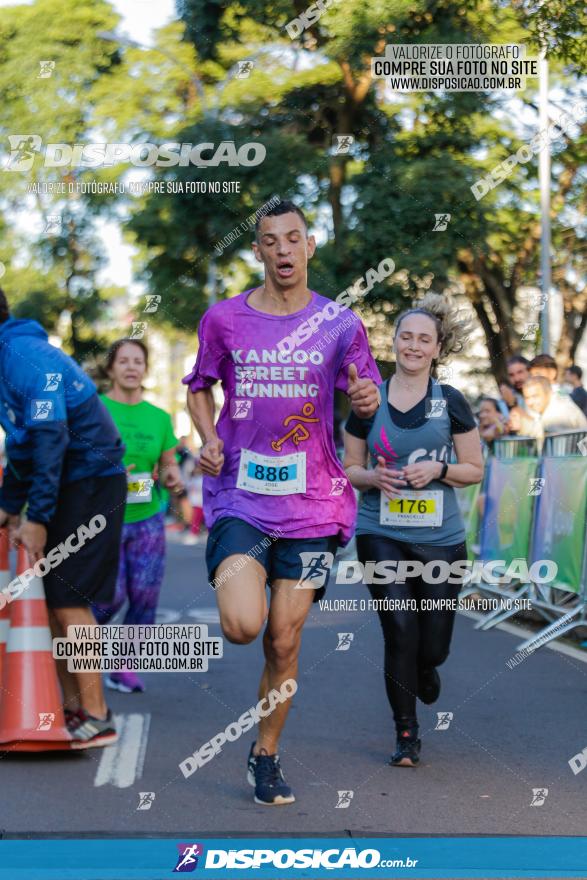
point(443, 471)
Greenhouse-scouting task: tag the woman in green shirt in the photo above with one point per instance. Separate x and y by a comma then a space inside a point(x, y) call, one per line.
point(150, 442)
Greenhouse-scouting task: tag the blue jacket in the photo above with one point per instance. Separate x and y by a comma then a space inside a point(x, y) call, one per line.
point(57, 429)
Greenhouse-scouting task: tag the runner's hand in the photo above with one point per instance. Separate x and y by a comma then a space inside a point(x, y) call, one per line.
point(33, 536)
point(422, 472)
point(212, 457)
point(386, 480)
point(172, 479)
point(364, 394)
point(12, 521)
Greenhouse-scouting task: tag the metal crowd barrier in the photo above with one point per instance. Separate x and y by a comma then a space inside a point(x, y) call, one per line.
point(546, 521)
point(514, 447)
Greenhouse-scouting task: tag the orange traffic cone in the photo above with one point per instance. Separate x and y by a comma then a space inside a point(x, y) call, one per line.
point(4, 608)
point(31, 714)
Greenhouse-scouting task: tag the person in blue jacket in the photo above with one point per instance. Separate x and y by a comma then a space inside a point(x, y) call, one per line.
point(64, 462)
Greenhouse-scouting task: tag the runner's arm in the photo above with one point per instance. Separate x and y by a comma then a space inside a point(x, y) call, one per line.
point(469, 467)
point(201, 409)
point(355, 462)
point(14, 491)
point(169, 472)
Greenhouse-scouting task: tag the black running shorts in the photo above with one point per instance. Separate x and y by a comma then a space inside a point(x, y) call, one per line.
point(280, 557)
point(89, 575)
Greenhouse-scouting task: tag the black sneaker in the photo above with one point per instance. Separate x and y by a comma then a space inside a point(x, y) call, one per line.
point(72, 718)
point(251, 764)
point(428, 685)
point(407, 753)
point(265, 773)
point(89, 733)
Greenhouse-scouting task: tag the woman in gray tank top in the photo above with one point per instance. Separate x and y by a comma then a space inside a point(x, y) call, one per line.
point(410, 534)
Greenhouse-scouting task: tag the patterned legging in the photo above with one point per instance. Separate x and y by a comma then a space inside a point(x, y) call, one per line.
point(140, 572)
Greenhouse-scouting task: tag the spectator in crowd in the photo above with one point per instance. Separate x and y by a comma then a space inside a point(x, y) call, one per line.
point(548, 412)
point(518, 374)
point(508, 398)
point(545, 365)
point(492, 423)
point(573, 376)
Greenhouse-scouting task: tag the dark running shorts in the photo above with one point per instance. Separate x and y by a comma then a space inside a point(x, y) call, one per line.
point(88, 576)
point(280, 557)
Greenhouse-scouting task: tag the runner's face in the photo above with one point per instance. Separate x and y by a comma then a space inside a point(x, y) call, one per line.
point(129, 367)
point(284, 247)
point(416, 344)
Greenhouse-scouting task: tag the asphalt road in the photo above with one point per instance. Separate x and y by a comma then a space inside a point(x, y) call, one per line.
point(512, 730)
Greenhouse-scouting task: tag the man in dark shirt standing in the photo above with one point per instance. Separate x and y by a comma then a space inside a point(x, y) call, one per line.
point(64, 462)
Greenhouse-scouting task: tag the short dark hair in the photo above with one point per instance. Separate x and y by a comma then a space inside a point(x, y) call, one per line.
point(543, 360)
point(518, 359)
point(490, 400)
point(115, 348)
point(576, 371)
point(4, 310)
point(282, 207)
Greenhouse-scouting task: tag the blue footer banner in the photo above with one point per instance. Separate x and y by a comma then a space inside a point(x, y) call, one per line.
point(228, 858)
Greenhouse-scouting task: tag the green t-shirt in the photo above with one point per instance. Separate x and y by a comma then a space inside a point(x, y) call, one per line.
point(147, 432)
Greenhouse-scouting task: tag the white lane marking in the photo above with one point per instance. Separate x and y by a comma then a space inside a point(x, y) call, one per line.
point(521, 631)
point(167, 615)
point(121, 764)
point(205, 615)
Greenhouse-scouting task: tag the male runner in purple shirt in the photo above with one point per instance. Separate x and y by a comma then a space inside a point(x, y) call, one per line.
point(276, 498)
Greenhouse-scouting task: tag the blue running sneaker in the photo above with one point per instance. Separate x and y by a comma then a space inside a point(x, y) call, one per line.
point(265, 773)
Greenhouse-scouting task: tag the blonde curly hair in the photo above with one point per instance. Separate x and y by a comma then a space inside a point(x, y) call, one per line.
point(452, 329)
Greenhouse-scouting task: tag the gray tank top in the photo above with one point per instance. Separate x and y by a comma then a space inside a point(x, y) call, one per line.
point(401, 446)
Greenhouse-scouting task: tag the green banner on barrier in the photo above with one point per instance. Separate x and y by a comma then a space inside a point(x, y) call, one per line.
point(508, 509)
point(559, 530)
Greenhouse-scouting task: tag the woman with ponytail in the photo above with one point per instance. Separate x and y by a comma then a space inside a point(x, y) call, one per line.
point(400, 459)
